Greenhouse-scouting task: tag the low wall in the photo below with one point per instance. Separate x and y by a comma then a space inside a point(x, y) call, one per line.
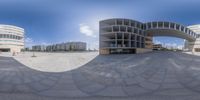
point(142, 50)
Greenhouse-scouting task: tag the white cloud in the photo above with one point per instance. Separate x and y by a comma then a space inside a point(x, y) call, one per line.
point(28, 40)
point(86, 30)
point(157, 42)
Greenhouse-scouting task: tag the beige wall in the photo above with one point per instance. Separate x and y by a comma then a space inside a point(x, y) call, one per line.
point(104, 51)
point(193, 45)
point(12, 48)
point(141, 50)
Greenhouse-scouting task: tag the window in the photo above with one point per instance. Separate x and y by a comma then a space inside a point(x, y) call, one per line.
point(132, 23)
point(186, 30)
point(154, 24)
point(119, 22)
point(160, 24)
point(129, 29)
point(144, 26)
point(177, 26)
point(172, 25)
point(197, 49)
point(116, 28)
point(142, 39)
point(126, 22)
point(140, 32)
point(138, 38)
point(123, 29)
point(138, 25)
point(138, 45)
point(182, 28)
point(136, 30)
point(149, 25)
point(132, 37)
point(166, 24)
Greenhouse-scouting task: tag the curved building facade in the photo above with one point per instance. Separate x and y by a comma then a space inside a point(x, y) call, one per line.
point(11, 38)
point(130, 36)
point(195, 44)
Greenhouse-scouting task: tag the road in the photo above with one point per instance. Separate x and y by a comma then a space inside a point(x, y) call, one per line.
point(149, 76)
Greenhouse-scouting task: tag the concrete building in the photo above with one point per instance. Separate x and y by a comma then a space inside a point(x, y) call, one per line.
point(11, 38)
point(157, 47)
point(130, 36)
point(39, 48)
point(121, 36)
point(68, 46)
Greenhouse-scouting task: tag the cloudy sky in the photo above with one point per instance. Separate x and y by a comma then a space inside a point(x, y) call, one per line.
point(56, 21)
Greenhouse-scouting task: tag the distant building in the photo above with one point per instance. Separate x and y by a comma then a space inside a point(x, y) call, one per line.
point(68, 46)
point(157, 47)
point(39, 48)
point(11, 38)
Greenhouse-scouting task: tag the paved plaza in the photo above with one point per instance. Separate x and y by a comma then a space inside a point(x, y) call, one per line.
point(149, 76)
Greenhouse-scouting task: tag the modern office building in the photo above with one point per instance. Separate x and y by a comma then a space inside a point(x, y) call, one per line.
point(68, 46)
point(11, 38)
point(129, 36)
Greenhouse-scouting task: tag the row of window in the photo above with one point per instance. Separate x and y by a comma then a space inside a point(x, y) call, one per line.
point(132, 44)
point(168, 25)
point(124, 22)
point(125, 29)
point(11, 32)
point(10, 36)
point(139, 25)
point(11, 41)
point(119, 36)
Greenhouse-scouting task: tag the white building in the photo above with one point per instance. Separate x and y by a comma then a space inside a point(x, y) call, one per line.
point(195, 45)
point(68, 46)
point(11, 38)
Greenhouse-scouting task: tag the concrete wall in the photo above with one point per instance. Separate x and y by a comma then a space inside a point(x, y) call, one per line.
point(142, 50)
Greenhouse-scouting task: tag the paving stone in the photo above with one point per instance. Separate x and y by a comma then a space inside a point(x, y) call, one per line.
point(112, 91)
point(149, 85)
point(134, 90)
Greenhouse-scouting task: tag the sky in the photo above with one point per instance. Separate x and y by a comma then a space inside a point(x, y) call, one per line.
point(57, 21)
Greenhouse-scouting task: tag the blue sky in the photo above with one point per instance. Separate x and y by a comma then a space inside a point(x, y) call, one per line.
point(55, 21)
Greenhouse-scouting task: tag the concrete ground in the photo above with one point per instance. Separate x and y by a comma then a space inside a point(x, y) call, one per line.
point(149, 76)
